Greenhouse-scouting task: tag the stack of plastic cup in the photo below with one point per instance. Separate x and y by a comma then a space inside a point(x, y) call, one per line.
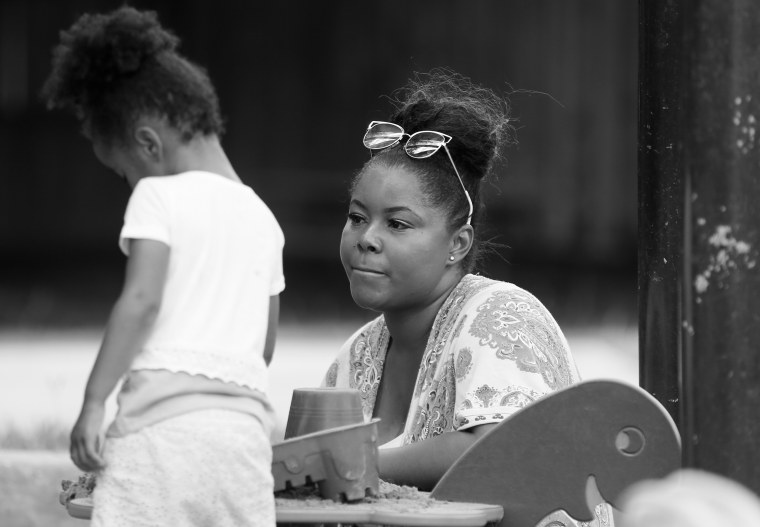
point(316, 409)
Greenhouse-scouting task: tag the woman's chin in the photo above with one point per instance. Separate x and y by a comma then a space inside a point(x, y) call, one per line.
point(367, 298)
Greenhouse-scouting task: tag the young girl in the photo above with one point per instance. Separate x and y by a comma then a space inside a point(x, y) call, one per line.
point(194, 327)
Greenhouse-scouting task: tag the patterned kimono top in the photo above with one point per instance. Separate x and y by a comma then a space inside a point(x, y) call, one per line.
point(493, 349)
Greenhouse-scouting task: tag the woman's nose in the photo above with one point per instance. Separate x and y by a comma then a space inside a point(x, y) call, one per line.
point(368, 241)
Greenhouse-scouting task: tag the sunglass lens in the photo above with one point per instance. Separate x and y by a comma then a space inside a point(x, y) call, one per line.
point(382, 135)
point(424, 144)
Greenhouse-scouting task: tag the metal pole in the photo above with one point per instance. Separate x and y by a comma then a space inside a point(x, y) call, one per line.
point(661, 195)
point(722, 345)
point(715, 45)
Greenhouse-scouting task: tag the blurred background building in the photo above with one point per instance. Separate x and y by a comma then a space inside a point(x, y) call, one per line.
point(298, 82)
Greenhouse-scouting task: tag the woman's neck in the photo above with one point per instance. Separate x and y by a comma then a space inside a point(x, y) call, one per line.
point(410, 328)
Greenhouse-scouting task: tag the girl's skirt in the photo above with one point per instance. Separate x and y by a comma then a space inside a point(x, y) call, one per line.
point(204, 468)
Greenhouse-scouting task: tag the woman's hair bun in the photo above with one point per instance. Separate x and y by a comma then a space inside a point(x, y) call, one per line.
point(477, 118)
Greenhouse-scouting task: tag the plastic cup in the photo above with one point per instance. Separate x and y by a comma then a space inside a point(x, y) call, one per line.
point(316, 409)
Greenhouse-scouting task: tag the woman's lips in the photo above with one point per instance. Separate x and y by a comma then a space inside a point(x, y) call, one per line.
point(368, 271)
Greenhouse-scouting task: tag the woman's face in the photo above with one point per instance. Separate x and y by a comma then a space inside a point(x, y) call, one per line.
point(395, 246)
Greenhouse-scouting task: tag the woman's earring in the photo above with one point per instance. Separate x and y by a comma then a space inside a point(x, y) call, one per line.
point(451, 258)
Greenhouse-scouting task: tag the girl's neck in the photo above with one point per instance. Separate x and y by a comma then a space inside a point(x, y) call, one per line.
point(410, 328)
point(204, 153)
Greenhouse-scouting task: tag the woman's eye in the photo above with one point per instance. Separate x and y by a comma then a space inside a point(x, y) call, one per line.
point(397, 225)
point(355, 218)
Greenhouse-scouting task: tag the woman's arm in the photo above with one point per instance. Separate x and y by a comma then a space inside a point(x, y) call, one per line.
point(274, 318)
point(422, 464)
point(131, 319)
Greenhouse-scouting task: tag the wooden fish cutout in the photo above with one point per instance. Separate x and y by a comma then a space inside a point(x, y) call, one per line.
point(537, 462)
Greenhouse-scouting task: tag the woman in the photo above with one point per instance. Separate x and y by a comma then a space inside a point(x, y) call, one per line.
point(452, 353)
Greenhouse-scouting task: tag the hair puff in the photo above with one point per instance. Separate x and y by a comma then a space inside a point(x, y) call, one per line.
point(111, 69)
point(99, 49)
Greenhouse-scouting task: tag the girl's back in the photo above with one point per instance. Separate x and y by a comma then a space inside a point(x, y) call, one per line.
point(225, 263)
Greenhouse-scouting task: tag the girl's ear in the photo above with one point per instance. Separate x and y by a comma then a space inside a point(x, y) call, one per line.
point(461, 243)
point(149, 144)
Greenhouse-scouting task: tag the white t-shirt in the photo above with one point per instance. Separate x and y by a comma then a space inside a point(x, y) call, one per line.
point(225, 262)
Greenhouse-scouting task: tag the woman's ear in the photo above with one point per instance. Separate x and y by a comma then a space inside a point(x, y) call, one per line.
point(461, 243)
point(149, 144)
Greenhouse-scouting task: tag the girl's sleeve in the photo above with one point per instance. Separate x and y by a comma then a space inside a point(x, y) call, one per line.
point(146, 217)
point(277, 282)
point(508, 352)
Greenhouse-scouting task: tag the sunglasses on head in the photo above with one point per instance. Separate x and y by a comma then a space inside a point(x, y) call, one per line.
point(419, 145)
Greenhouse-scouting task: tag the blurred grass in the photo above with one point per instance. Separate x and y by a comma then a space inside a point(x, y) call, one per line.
point(29, 486)
point(50, 436)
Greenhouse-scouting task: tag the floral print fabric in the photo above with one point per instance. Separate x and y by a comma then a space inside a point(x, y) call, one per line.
point(493, 349)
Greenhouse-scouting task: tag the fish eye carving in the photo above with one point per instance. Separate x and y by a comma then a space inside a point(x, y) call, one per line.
point(630, 441)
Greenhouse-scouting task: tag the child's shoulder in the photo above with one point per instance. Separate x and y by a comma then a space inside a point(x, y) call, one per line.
point(150, 184)
point(196, 183)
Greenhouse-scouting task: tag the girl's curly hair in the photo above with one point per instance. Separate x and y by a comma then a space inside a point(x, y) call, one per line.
point(110, 69)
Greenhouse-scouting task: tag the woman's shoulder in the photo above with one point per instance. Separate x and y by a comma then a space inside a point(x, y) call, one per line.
point(511, 321)
point(483, 285)
point(476, 286)
point(487, 293)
